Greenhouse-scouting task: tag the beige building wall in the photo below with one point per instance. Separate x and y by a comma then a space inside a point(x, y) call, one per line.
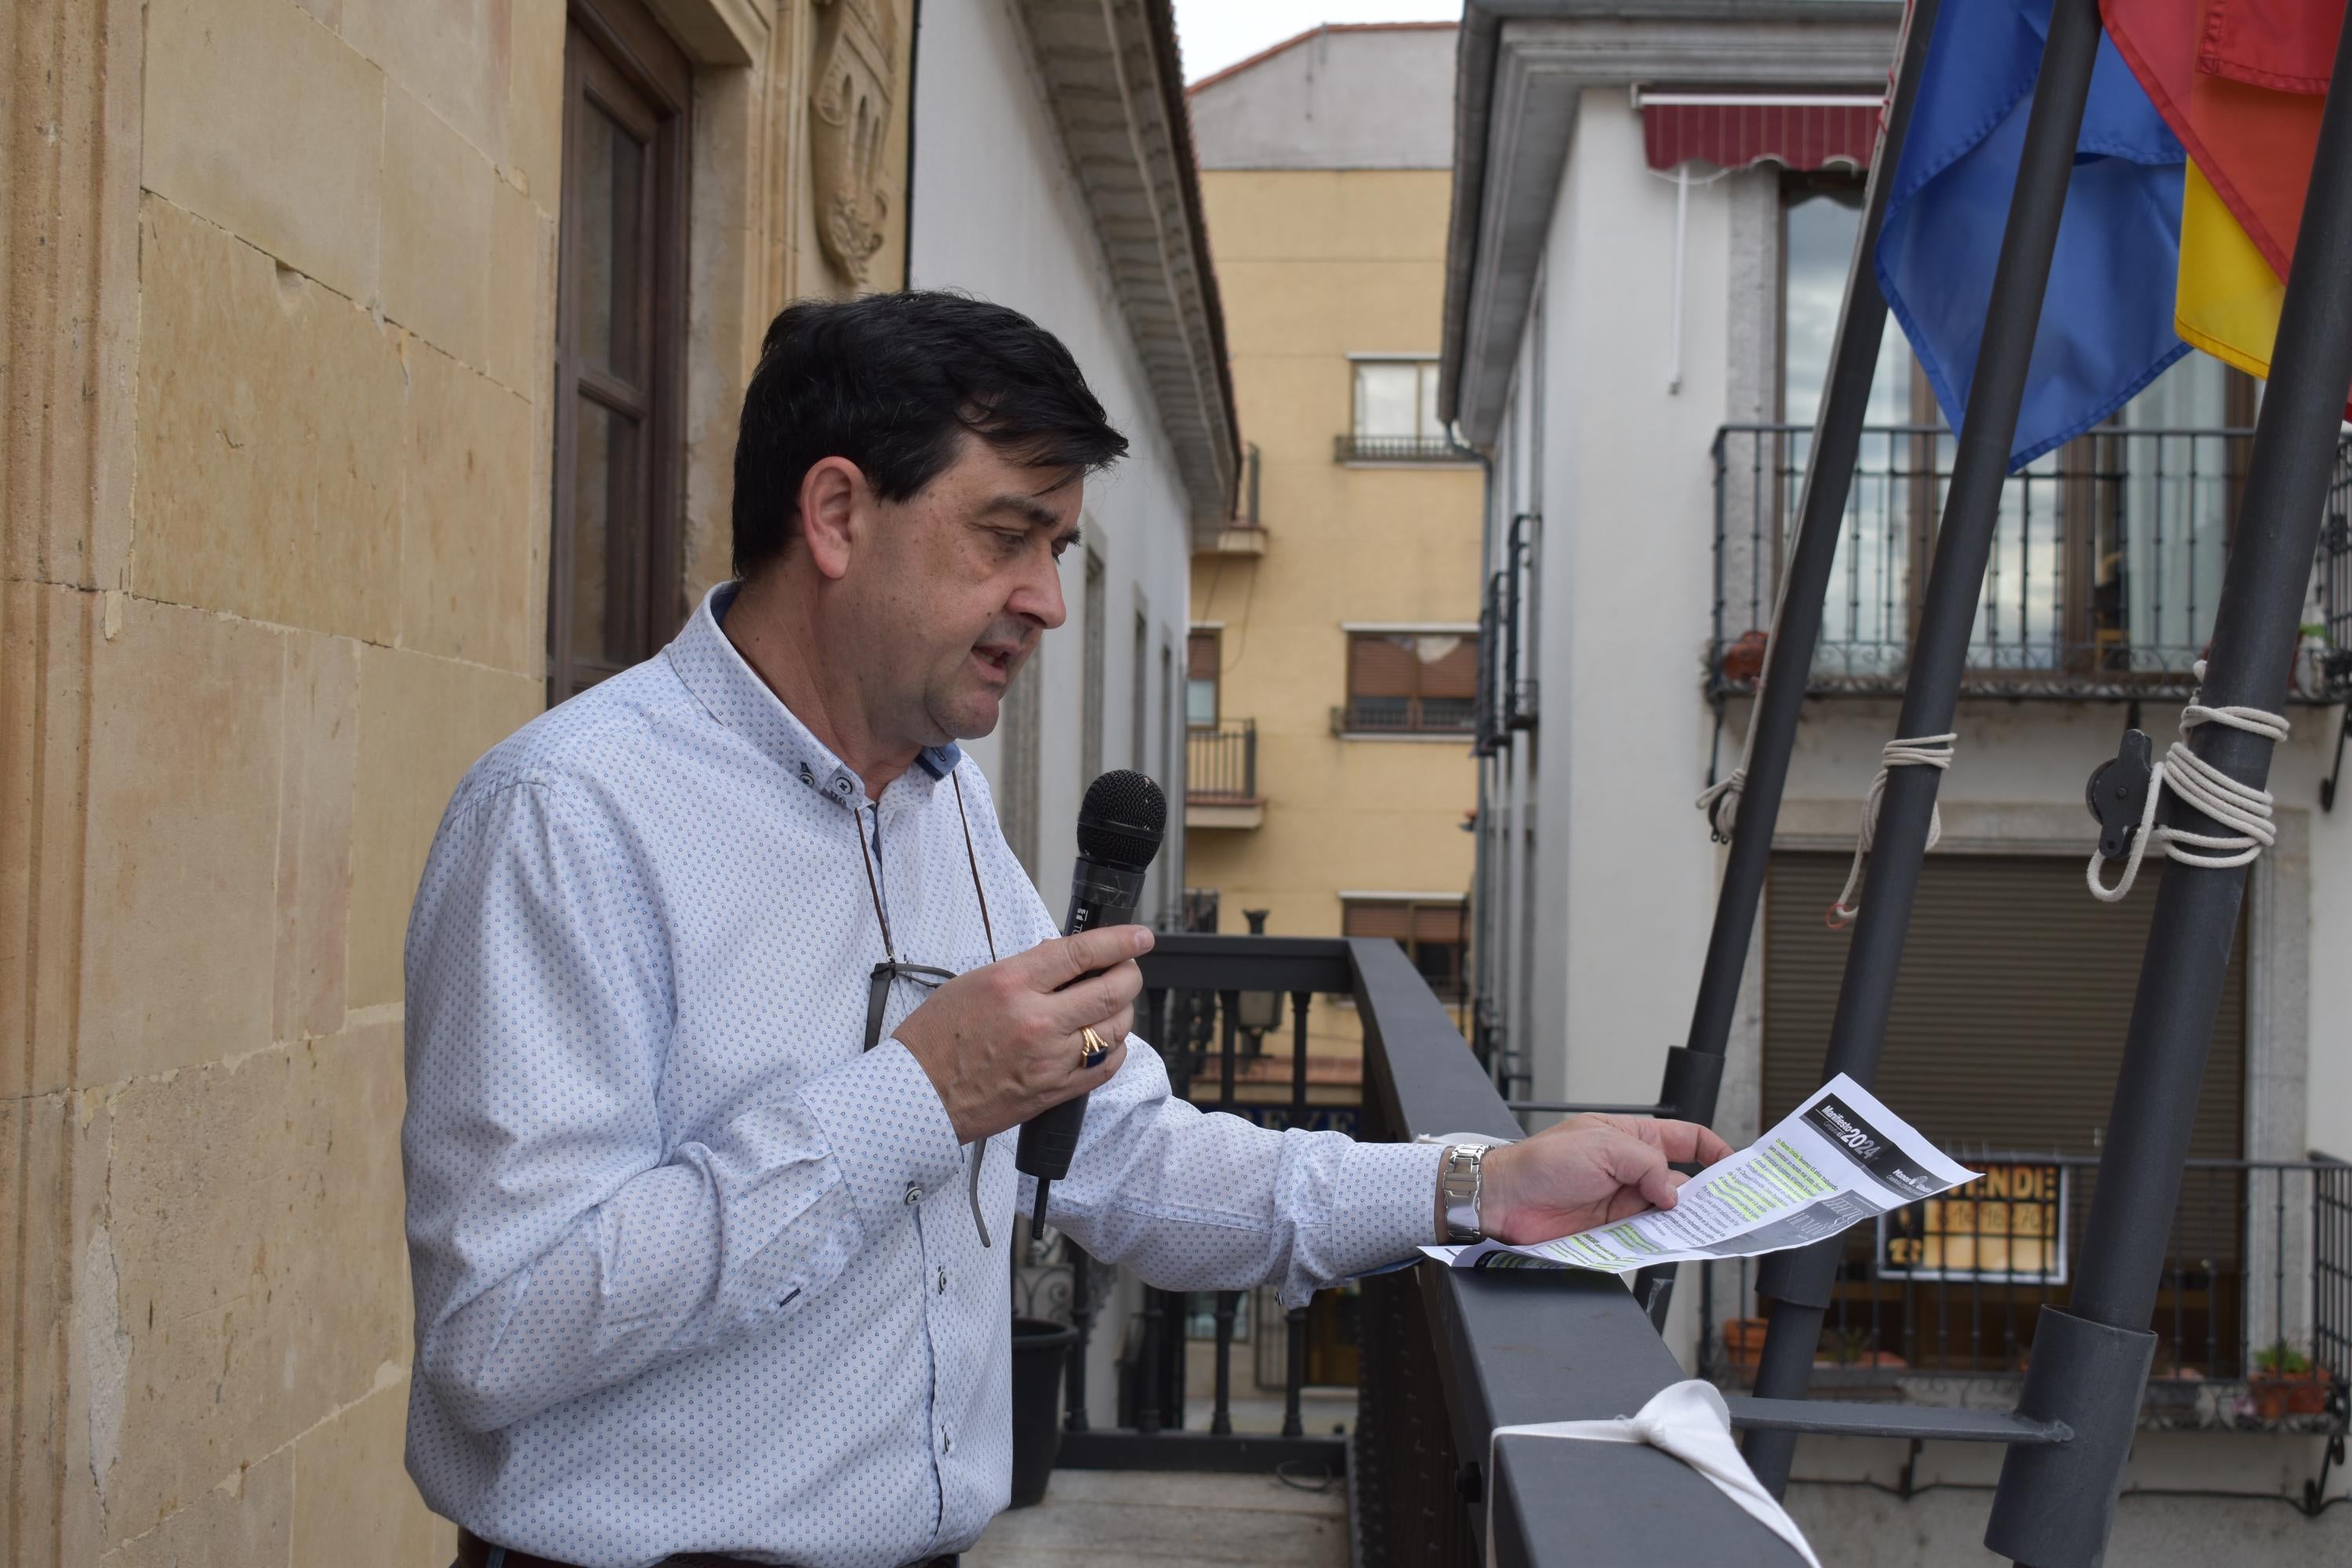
point(277, 281)
point(1315, 265)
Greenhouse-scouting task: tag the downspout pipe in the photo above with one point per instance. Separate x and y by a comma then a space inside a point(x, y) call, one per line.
point(1799, 1282)
point(1695, 1069)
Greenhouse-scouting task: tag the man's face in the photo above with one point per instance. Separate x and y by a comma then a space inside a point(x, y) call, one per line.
point(965, 583)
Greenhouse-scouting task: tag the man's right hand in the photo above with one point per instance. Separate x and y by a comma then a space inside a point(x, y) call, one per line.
point(1004, 1042)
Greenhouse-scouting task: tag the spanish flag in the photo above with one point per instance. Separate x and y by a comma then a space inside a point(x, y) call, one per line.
point(2242, 83)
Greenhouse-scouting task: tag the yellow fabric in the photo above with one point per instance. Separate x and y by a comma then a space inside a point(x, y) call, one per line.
point(2227, 301)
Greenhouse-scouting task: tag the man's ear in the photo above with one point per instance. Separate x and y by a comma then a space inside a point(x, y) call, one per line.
point(833, 500)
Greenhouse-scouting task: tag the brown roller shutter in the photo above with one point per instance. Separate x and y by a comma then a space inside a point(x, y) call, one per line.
point(1391, 921)
point(1381, 666)
point(1437, 922)
point(1201, 656)
point(1455, 674)
point(2009, 1018)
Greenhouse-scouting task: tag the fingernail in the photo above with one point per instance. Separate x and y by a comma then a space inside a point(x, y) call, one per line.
point(1143, 939)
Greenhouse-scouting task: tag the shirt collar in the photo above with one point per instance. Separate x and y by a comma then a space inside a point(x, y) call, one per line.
point(732, 693)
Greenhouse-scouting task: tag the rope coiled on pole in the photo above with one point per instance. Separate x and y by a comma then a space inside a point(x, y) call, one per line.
point(2242, 808)
point(1922, 752)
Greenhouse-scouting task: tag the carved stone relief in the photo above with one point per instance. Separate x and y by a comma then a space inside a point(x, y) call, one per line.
point(849, 108)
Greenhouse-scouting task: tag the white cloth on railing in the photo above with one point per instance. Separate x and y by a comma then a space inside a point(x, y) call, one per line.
point(1688, 1420)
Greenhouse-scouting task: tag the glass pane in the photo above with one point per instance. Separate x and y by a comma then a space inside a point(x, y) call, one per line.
point(1431, 426)
point(604, 529)
point(1201, 701)
point(1821, 231)
point(1387, 397)
point(612, 169)
point(2153, 587)
point(2023, 602)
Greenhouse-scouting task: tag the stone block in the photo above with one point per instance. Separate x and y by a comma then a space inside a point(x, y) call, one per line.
point(268, 453)
point(521, 346)
point(455, 55)
point(422, 721)
point(35, 1142)
point(260, 1270)
point(314, 832)
point(437, 259)
point(467, 525)
point(352, 1501)
point(186, 732)
point(248, 1521)
point(534, 149)
point(268, 125)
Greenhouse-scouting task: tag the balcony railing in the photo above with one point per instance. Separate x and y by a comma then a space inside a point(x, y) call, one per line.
point(1406, 716)
point(1445, 1356)
point(2254, 1320)
point(1398, 450)
point(2105, 568)
point(1220, 764)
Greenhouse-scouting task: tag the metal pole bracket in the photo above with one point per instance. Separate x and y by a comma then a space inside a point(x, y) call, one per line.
point(2057, 1501)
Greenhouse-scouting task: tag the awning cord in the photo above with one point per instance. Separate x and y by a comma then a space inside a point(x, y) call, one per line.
point(2207, 788)
point(1926, 751)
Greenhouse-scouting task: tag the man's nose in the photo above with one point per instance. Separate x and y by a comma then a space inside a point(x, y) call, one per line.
point(1039, 597)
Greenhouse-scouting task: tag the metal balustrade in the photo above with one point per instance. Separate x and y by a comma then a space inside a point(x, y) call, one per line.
point(1398, 450)
point(1445, 1356)
point(2104, 572)
point(1943, 1298)
point(1220, 762)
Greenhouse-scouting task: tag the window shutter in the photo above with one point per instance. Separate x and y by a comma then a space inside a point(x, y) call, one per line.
point(1453, 673)
point(1437, 922)
point(1379, 666)
point(1391, 921)
point(1201, 656)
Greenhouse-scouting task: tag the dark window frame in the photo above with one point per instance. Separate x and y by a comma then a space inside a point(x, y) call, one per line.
point(617, 60)
point(1214, 639)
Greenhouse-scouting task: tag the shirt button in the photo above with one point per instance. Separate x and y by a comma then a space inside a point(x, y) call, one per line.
point(943, 1282)
point(947, 1444)
point(914, 1194)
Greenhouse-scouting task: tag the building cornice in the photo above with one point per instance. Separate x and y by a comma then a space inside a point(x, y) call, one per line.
point(1112, 76)
point(1520, 71)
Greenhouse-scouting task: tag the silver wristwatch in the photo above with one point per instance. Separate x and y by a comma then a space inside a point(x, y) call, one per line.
point(1459, 1179)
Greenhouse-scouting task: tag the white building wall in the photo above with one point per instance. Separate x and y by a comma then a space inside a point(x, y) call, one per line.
point(1001, 215)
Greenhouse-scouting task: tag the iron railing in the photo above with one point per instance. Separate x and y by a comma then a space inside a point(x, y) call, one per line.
point(1445, 1356)
point(1220, 762)
point(1945, 1295)
point(2105, 568)
point(1398, 450)
point(1407, 716)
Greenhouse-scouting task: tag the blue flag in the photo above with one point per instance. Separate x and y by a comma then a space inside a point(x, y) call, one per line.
point(2106, 322)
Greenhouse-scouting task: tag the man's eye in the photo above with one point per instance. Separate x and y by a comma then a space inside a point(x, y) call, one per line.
point(1061, 546)
point(1011, 542)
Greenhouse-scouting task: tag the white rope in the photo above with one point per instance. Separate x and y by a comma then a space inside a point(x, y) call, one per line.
point(1926, 751)
point(1721, 801)
point(2241, 807)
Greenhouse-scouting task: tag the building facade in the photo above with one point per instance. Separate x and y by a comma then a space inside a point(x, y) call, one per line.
point(1334, 651)
point(1655, 205)
point(371, 382)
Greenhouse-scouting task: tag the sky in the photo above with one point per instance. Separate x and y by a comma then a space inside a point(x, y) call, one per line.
point(1216, 32)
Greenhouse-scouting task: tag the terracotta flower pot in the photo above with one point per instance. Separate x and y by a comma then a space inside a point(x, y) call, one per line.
point(1743, 1340)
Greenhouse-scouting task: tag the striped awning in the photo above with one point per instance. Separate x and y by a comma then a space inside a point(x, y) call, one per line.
point(1732, 131)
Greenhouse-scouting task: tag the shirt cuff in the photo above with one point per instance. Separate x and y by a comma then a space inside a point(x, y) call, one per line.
point(887, 1129)
point(1384, 1206)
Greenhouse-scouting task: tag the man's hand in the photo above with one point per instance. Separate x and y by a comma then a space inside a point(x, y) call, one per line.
point(1588, 1170)
point(1003, 1042)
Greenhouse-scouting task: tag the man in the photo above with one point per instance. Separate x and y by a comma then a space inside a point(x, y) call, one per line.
point(704, 1268)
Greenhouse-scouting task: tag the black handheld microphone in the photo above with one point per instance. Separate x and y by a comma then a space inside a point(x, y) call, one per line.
point(1120, 824)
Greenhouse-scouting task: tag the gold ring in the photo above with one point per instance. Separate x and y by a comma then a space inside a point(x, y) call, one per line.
point(1096, 1050)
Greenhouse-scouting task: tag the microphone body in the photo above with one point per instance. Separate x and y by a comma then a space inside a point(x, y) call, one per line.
point(1101, 895)
point(1120, 824)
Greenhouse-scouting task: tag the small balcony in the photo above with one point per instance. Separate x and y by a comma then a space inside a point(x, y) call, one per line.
point(1221, 776)
point(2105, 568)
point(1437, 718)
point(1398, 450)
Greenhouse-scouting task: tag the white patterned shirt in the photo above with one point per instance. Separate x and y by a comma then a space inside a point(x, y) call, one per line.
point(694, 1273)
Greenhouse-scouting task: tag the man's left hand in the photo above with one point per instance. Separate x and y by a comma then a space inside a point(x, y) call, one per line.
point(1588, 1170)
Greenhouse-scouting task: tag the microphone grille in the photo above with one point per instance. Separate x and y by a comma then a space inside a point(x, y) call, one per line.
point(1122, 819)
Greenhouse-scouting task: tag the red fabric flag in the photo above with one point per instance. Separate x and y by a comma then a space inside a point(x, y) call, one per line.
point(2242, 83)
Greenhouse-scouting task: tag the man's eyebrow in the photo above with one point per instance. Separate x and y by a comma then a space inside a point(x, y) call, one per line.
point(1029, 509)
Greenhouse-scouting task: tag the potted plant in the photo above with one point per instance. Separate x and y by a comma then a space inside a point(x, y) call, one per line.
point(2285, 1383)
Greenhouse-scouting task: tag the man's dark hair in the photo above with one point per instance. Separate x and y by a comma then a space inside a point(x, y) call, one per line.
point(892, 382)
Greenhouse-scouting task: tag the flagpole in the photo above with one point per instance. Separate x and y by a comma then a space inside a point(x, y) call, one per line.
point(1695, 1069)
point(2055, 1505)
point(1799, 1282)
